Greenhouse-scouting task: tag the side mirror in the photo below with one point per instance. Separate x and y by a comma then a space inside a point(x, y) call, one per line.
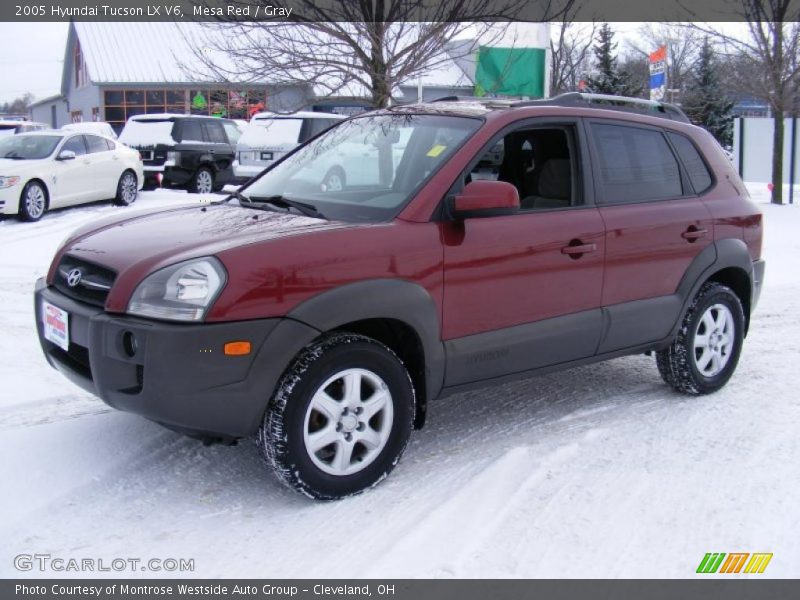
point(66, 155)
point(486, 199)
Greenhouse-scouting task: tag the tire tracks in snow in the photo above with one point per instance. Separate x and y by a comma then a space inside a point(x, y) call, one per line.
point(449, 535)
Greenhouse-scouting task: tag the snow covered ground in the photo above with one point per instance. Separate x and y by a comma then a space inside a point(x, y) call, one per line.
point(600, 471)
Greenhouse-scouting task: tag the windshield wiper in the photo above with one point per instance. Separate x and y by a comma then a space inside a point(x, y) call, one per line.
point(14, 157)
point(307, 209)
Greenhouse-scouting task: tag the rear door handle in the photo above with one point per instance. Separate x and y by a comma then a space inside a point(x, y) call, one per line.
point(577, 250)
point(693, 234)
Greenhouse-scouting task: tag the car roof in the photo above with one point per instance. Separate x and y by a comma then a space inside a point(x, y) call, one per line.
point(47, 132)
point(168, 116)
point(572, 103)
point(17, 123)
point(302, 114)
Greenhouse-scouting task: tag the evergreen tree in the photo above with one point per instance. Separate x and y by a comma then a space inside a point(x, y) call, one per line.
point(705, 102)
point(609, 78)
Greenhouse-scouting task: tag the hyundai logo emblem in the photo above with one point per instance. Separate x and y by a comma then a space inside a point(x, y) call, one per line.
point(74, 277)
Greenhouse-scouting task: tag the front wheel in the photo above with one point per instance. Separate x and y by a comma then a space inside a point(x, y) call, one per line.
point(127, 189)
point(340, 419)
point(32, 202)
point(706, 350)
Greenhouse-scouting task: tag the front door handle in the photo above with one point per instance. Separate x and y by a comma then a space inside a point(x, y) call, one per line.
point(576, 249)
point(693, 234)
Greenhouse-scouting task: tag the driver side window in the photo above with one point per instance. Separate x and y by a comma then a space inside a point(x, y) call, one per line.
point(539, 162)
point(76, 145)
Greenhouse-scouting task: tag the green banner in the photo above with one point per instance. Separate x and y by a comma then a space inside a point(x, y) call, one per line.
point(510, 72)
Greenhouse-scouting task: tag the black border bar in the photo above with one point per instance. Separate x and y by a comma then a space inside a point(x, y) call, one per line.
point(388, 10)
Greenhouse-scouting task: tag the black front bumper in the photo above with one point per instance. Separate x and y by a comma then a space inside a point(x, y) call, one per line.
point(179, 374)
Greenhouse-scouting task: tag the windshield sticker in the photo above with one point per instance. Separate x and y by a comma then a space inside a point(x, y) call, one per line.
point(436, 150)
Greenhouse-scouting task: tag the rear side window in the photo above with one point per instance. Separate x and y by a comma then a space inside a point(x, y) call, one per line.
point(635, 164)
point(316, 126)
point(95, 144)
point(695, 166)
point(233, 131)
point(214, 132)
point(191, 131)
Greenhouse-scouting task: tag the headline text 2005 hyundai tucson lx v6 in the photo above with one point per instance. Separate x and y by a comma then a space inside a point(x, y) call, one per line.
point(497, 241)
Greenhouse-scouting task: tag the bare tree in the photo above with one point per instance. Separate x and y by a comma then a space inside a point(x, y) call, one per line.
point(571, 52)
point(768, 63)
point(366, 45)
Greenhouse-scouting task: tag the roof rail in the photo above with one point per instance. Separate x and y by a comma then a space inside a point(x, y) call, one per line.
point(622, 103)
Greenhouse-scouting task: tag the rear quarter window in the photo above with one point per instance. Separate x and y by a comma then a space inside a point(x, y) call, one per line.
point(693, 162)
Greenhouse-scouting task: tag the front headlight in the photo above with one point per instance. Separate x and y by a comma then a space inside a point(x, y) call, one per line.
point(181, 292)
point(6, 182)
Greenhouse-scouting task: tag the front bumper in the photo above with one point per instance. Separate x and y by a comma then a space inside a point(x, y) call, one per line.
point(9, 199)
point(179, 374)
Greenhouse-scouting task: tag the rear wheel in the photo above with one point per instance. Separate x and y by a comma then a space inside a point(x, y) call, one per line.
point(340, 419)
point(127, 189)
point(32, 202)
point(706, 350)
point(202, 182)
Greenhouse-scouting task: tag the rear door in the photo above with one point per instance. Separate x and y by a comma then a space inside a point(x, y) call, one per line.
point(656, 226)
point(105, 166)
point(523, 291)
point(221, 150)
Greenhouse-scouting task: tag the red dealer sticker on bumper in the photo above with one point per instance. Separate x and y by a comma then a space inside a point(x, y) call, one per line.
point(56, 325)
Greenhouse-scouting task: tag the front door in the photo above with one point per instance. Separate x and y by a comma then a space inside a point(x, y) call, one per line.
point(523, 291)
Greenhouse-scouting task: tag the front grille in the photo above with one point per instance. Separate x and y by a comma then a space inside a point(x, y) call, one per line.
point(84, 281)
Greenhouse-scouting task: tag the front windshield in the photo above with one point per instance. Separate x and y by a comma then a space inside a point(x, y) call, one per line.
point(367, 168)
point(28, 146)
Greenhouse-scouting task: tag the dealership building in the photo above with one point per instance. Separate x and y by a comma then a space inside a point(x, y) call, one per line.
point(113, 71)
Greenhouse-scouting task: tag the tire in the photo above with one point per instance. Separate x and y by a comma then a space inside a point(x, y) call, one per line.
point(127, 189)
point(202, 182)
point(311, 401)
point(335, 180)
point(706, 350)
point(32, 201)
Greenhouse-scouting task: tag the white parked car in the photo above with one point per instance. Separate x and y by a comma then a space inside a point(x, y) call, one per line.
point(96, 127)
point(270, 136)
point(50, 169)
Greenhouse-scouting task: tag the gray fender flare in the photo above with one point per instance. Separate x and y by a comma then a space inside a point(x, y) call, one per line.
point(395, 299)
point(722, 254)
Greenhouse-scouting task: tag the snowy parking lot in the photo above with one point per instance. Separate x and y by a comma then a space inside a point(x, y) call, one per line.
point(599, 471)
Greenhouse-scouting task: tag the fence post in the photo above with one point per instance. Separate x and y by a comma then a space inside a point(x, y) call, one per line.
point(741, 147)
point(792, 160)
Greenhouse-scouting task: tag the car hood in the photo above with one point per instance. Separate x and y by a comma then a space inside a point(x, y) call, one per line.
point(9, 166)
point(139, 245)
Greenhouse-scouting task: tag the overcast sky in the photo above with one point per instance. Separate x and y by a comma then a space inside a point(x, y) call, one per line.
point(31, 56)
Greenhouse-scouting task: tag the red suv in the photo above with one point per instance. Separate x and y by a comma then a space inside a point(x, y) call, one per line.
point(480, 242)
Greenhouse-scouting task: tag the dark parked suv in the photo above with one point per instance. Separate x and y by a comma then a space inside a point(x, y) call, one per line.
point(184, 151)
point(497, 240)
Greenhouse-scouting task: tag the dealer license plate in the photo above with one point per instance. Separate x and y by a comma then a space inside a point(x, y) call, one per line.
point(56, 325)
